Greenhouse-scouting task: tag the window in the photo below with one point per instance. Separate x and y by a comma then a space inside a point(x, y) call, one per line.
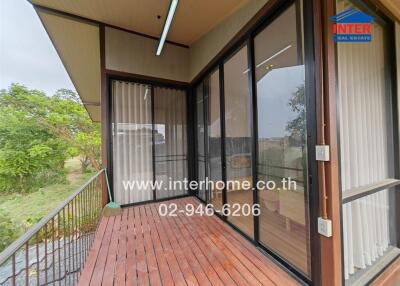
point(366, 148)
point(214, 137)
point(149, 141)
point(170, 146)
point(282, 140)
point(201, 144)
point(132, 141)
point(238, 137)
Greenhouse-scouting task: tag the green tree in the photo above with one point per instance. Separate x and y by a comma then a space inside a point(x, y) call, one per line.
point(37, 134)
point(297, 126)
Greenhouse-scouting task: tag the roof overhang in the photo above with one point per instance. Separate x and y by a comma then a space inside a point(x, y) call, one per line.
point(78, 45)
point(73, 27)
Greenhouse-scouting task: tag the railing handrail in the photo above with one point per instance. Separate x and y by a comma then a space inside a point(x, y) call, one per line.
point(21, 241)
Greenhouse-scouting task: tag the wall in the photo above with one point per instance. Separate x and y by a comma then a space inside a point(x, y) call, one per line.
point(207, 47)
point(136, 54)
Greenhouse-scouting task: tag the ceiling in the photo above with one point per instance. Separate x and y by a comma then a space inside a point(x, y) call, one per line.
point(77, 44)
point(192, 20)
point(393, 6)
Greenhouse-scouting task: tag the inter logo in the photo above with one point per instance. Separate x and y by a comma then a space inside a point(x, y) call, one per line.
point(352, 25)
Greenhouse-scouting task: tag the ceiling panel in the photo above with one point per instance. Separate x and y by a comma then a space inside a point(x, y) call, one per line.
point(393, 6)
point(192, 20)
point(78, 45)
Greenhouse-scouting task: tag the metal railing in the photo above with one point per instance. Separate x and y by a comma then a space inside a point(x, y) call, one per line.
point(54, 250)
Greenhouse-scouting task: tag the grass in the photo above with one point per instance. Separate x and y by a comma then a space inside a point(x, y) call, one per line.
point(27, 209)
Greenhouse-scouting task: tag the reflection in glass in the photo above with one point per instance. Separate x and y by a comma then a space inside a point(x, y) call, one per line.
point(170, 145)
point(214, 137)
point(238, 136)
point(282, 146)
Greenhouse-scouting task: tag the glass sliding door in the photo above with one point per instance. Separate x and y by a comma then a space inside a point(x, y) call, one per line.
point(132, 142)
point(238, 139)
point(282, 144)
point(170, 145)
point(201, 141)
point(214, 154)
point(367, 153)
point(149, 139)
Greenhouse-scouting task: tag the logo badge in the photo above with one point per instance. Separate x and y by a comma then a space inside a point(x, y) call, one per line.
point(352, 25)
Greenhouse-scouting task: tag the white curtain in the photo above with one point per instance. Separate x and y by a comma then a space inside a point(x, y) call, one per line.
point(132, 141)
point(170, 140)
point(363, 142)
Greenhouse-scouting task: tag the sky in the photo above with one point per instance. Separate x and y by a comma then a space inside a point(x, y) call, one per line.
point(27, 55)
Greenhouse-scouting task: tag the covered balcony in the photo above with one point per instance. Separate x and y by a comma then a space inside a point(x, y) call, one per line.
point(242, 91)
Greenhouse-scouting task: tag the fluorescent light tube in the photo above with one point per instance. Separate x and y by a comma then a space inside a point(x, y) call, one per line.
point(167, 24)
point(270, 58)
point(274, 55)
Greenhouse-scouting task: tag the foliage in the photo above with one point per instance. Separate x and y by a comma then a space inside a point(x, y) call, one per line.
point(25, 210)
point(38, 133)
point(9, 231)
point(297, 126)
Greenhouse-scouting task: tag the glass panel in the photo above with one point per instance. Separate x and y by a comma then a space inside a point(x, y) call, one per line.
point(238, 137)
point(170, 145)
point(369, 234)
point(214, 138)
point(366, 144)
point(201, 158)
point(282, 146)
point(132, 142)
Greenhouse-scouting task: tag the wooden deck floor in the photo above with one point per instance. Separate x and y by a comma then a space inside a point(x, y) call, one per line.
point(141, 248)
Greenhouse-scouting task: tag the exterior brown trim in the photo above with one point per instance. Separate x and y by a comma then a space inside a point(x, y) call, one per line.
point(243, 32)
point(105, 132)
point(329, 191)
point(144, 78)
point(99, 23)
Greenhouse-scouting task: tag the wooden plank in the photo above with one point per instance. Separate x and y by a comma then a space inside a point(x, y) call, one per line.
point(193, 260)
point(120, 269)
point(154, 269)
point(108, 276)
point(259, 260)
point(221, 257)
point(184, 266)
point(140, 247)
point(237, 250)
point(204, 262)
point(131, 272)
point(163, 248)
point(94, 251)
point(223, 275)
point(185, 249)
point(98, 271)
point(141, 263)
point(237, 264)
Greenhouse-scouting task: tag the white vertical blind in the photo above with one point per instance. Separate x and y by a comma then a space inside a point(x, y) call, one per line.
point(132, 141)
point(170, 140)
point(363, 115)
